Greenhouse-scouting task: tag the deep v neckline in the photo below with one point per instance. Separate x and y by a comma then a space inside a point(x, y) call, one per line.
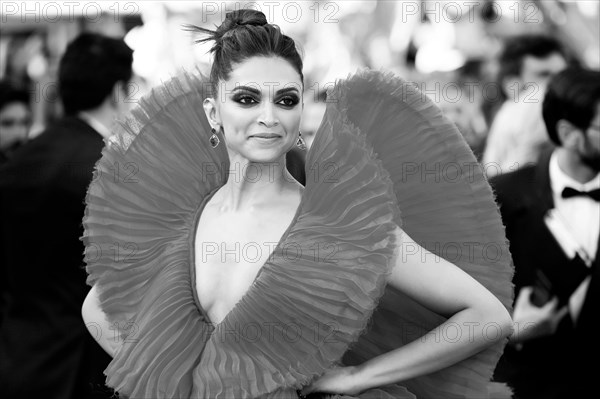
point(192, 257)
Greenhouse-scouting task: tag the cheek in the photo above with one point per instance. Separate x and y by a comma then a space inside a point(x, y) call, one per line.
point(291, 121)
point(591, 146)
point(236, 120)
point(13, 131)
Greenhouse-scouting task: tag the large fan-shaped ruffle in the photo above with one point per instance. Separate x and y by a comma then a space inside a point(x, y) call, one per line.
point(447, 207)
point(303, 310)
point(152, 175)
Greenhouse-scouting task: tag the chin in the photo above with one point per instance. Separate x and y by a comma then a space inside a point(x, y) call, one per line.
point(266, 158)
point(263, 155)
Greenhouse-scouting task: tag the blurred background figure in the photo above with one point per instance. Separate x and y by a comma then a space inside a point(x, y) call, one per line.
point(45, 348)
point(517, 134)
point(15, 119)
point(552, 217)
point(462, 104)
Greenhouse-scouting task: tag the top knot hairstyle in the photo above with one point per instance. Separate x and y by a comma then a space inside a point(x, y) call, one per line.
point(243, 34)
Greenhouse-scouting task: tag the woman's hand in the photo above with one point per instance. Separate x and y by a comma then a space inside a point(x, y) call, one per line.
point(340, 380)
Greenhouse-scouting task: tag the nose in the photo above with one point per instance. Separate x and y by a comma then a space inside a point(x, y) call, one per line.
point(268, 115)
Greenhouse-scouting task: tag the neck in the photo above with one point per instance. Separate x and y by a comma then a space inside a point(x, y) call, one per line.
point(252, 185)
point(571, 165)
point(102, 114)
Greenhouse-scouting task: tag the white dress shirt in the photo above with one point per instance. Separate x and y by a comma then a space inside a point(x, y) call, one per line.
point(517, 135)
point(579, 219)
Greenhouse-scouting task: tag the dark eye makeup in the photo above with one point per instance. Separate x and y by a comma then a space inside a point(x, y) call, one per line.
point(244, 98)
point(248, 98)
point(289, 100)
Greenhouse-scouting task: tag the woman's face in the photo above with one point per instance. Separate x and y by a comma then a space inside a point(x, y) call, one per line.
point(259, 108)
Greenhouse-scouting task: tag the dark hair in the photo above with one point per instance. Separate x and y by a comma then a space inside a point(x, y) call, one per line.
point(243, 34)
point(90, 68)
point(10, 93)
point(518, 47)
point(573, 95)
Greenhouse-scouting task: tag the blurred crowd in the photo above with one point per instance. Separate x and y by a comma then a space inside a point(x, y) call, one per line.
point(450, 50)
point(527, 102)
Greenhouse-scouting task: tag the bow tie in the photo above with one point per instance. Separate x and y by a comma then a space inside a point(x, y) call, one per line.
point(570, 192)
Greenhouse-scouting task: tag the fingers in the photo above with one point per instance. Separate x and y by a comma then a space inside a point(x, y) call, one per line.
point(562, 312)
point(526, 291)
point(551, 305)
point(524, 296)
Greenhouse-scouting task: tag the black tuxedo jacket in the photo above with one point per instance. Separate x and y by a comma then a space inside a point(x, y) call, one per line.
point(45, 348)
point(549, 367)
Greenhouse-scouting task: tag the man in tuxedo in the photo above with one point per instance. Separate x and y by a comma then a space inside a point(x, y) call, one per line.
point(45, 348)
point(552, 217)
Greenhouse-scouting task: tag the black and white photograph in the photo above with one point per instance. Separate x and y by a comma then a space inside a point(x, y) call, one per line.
point(309, 199)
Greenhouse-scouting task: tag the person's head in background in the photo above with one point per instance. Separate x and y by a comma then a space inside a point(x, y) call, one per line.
point(93, 77)
point(571, 111)
point(15, 118)
point(528, 62)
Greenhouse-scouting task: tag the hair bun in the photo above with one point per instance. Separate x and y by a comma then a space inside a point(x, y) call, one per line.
point(244, 34)
point(233, 19)
point(241, 18)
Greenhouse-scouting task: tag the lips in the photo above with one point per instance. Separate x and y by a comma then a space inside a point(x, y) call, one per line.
point(266, 135)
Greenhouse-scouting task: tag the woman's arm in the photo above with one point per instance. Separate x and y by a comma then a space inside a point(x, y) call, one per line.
point(445, 289)
point(97, 323)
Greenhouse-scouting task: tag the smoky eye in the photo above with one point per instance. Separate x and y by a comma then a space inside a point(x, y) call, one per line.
point(244, 98)
point(288, 100)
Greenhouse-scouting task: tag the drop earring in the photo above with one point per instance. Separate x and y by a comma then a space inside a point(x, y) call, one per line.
point(214, 139)
point(300, 143)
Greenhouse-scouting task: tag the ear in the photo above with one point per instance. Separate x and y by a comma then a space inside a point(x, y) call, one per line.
point(212, 113)
point(568, 134)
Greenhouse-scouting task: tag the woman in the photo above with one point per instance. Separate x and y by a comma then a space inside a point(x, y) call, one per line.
point(226, 278)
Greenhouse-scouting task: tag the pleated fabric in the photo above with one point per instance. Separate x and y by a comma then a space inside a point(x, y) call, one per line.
point(447, 207)
point(322, 298)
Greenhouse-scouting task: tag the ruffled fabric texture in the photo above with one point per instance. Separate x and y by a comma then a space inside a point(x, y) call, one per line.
point(314, 297)
point(152, 175)
point(447, 207)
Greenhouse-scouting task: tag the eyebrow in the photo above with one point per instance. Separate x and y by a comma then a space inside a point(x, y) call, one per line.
point(257, 92)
